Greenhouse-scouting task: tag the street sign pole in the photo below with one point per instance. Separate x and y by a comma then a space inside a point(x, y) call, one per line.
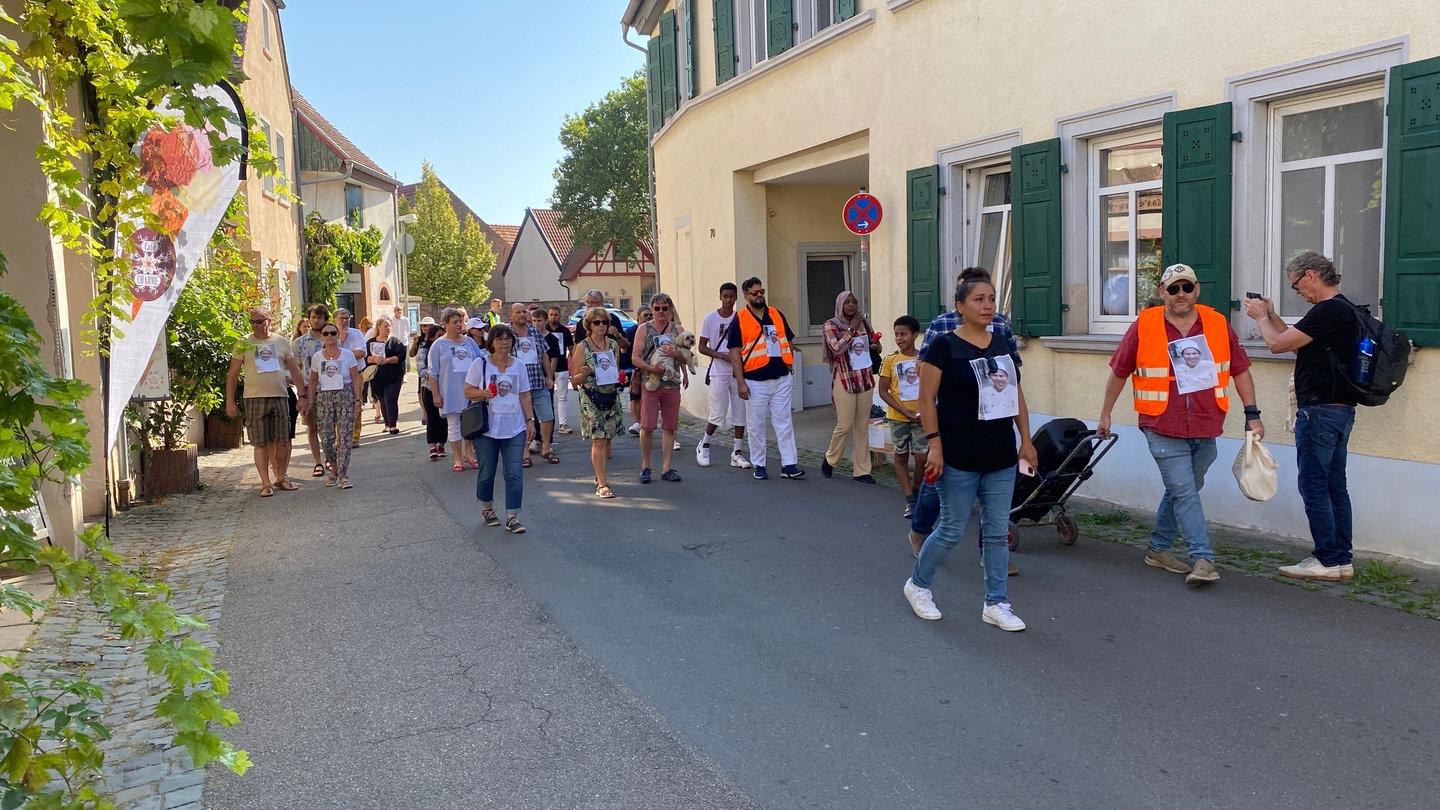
point(865, 274)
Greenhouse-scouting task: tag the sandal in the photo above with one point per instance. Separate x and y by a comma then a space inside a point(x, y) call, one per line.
point(318, 471)
point(604, 492)
point(457, 467)
point(474, 465)
point(525, 462)
point(331, 481)
point(345, 483)
point(491, 519)
point(286, 485)
point(550, 457)
point(266, 492)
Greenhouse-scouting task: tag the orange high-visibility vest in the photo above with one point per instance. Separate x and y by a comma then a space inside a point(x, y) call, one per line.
point(753, 351)
point(1153, 373)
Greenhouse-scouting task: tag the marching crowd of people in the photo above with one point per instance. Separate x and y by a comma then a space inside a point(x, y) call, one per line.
point(493, 393)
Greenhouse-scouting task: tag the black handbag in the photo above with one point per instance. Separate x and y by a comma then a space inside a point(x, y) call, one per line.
point(601, 400)
point(474, 420)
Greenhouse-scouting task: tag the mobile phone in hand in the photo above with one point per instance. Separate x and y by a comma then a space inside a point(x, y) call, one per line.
point(1252, 295)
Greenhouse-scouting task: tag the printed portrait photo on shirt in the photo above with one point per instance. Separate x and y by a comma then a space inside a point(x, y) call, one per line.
point(909, 379)
point(995, 376)
point(525, 351)
point(605, 371)
point(1194, 365)
point(330, 379)
point(265, 359)
point(772, 339)
point(462, 359)
point(505, 400)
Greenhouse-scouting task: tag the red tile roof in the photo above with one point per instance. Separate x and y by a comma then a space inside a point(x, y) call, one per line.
point(337, 140)
point(561, 240)
point(507, 232)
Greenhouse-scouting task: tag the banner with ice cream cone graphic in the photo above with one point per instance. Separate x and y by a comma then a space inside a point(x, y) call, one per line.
point(188, 194)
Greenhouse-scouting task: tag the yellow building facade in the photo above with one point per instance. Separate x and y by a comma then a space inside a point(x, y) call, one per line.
point(1073, 150)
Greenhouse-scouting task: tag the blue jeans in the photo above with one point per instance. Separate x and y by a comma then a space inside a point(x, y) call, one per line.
point(1182, 464)
point(927, 509)
point(512, 450)
point(958, 490)
point(1321, 435)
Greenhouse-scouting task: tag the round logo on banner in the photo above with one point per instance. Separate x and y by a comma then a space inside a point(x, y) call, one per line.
point(152, 264)
point(862, 213)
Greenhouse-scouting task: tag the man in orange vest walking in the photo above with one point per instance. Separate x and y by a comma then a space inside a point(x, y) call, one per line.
point(759, 344)
point(1181, 416)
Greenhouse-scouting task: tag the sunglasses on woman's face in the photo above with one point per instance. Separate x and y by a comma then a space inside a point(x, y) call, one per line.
point(1179, 287)
point(331, 333)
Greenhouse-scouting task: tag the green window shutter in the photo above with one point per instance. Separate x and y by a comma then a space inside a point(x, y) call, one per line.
point(844, 10)
point(1412, 202)
point(669, 80)
point(724, 24)
point(1196, 189)
point(1036, 291)
point(652, 83)
point(692, 86)
point(922, 219)
point(779, 27)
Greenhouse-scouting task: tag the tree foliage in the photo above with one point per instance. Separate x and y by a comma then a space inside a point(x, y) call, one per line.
point(330, 249)
point(602, 183)
point(451, 263)
point(120, 59)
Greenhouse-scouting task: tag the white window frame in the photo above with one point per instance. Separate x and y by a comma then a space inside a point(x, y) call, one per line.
point(960, 207)
point(807, 17)
point(265, 29)
point(267, 181)
point(282, 162)
point(975, 177)
point(1076, 132)
point(1251, 95)
point(805, 251)
point(1277, 284)
point(1099, 322)
point(684, 66)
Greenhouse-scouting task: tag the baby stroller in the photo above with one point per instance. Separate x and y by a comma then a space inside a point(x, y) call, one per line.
point(1067, 452)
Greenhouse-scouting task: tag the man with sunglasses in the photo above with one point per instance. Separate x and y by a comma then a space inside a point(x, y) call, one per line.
point(266, 358)
point(764, 366)
point(1326, 408)
point(1180, 428)
point(305, 347)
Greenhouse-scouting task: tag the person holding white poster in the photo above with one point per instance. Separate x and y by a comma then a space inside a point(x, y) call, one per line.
point(606, 372)
point(601, 415)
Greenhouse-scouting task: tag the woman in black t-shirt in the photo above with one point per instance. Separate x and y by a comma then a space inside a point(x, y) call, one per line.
point(972, 453)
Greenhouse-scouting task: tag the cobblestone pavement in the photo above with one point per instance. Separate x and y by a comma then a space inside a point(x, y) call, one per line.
point(185, 542)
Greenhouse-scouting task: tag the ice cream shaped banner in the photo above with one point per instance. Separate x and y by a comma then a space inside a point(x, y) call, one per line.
point(189, 195)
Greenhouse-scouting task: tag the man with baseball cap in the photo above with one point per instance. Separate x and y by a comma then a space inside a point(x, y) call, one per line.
point(1180, 428)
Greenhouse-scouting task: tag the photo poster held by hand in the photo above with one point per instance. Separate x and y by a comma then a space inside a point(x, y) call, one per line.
point(505, 399)
point(999, 398)
point(377, 348)
point(1193, 365)
point(330, 379)
point(265, 359)
point(908, 372)
point(606, 372)
point(859, 353)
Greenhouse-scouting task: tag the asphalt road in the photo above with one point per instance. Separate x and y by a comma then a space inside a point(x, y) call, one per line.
point(725, 640)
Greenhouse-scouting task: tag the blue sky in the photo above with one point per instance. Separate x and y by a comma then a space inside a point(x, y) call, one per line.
point(477, 88)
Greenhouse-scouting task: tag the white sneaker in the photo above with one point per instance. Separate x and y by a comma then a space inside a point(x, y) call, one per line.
point(677, 445)
point(1000, 616)
point(737, 459)
point(702, 455)
point(1311, 568)
point(921, 601)
point(635, 429)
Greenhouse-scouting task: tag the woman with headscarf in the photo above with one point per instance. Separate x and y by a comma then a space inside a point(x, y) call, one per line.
point(848, 341)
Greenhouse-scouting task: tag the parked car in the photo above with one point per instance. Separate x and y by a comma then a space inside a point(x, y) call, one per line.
point(625, 320)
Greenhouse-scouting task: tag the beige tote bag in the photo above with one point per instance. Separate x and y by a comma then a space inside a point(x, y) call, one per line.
point(1255, 470)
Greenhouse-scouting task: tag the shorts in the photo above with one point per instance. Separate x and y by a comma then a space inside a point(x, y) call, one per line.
point(725, 399)
point(542, 404)
point(267, 419)
point(661, 406)
point(908, 437)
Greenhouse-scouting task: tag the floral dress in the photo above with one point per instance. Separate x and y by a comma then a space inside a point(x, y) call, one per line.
point(594, 422)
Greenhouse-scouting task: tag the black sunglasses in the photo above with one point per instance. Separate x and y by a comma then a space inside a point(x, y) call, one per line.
point(755, 291)
point(1179, 287)
point(258, 320)
point(331, 333)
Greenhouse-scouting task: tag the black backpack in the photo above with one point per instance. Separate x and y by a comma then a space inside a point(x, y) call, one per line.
point(1391, 361)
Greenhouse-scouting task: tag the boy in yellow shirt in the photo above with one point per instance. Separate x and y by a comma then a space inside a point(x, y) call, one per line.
point(899, 386)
